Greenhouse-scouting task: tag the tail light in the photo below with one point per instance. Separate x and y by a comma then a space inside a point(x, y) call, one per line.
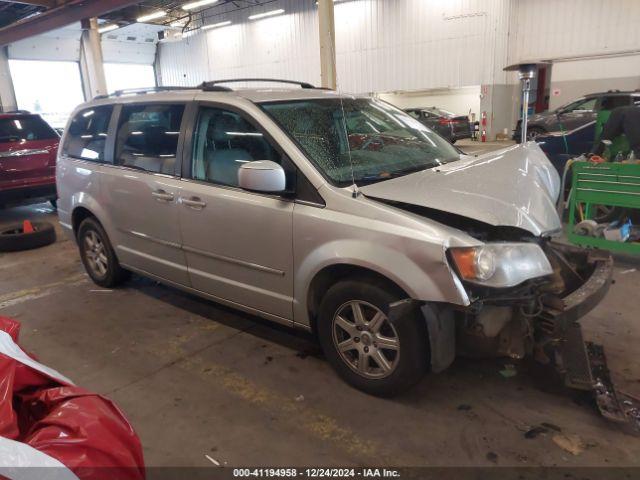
point(448, 121)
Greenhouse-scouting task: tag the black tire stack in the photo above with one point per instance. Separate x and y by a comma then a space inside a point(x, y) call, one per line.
point(13, 238)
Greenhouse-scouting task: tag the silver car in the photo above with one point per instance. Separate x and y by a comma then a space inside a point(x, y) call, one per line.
point(336, 214)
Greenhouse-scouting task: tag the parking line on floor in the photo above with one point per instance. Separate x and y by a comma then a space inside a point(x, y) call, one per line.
point(21, 296)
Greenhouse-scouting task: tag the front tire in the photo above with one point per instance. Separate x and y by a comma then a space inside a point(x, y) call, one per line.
point(97, 255)
point(367, 350)
point(534, 132)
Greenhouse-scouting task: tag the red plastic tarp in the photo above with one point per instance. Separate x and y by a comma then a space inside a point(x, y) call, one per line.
point(45, 420)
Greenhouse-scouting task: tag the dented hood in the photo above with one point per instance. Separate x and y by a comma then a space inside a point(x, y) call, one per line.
point(515, 187)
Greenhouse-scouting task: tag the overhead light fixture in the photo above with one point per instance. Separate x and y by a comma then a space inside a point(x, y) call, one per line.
point(198, 4)
point(217, 25)
point(108, 28)
point(266, 14)
point(151, 16)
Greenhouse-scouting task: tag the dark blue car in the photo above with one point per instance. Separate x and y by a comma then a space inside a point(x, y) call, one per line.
point(560, 147)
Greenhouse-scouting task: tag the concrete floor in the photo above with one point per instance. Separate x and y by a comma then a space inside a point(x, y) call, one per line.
point(196, 378)
point(471, 147)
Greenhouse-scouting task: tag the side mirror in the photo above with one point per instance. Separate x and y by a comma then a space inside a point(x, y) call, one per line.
point(262, 176)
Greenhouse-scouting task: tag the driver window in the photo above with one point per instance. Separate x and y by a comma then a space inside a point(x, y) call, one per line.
point(223, 142)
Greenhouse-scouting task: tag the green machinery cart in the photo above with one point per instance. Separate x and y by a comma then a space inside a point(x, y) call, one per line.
point(610, 184)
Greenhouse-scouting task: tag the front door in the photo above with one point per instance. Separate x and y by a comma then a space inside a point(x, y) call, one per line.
point(238, 244)
point(141, 191)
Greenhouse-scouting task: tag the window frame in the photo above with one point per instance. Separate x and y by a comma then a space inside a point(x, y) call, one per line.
point(602, 98)
point(115, 124)
point(108, 145)
point(289, 165)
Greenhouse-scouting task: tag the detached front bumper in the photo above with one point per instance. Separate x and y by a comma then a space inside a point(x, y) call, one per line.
point(591, 271)
point(584, 363)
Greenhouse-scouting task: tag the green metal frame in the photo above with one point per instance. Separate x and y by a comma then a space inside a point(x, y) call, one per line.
point(610, 184)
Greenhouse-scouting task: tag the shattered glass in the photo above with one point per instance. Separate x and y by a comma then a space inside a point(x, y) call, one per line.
point(381, 141)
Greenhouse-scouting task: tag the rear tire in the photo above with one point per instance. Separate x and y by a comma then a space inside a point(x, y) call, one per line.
point(98, 256)
point(366, 349)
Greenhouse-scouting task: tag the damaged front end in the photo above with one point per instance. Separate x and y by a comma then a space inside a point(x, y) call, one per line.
point(540, 318)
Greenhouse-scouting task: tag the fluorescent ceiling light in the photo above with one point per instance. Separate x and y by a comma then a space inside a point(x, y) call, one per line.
point(108, 28)
point(216, 25)
point(266, 14)
point(198, 4)
point(151, 16)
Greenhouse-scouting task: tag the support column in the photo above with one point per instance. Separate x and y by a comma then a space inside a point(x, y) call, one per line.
point(92, 68)
point(500, 101)
point(7, 93)
point(327, 44)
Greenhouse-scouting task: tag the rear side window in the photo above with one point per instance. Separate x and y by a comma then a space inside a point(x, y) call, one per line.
point(87, 134)
point(615, 101)
point(148, 137)
point(25, 128)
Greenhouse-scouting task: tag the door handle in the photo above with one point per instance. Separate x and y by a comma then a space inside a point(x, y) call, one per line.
point(161, 195)
point(194, 202)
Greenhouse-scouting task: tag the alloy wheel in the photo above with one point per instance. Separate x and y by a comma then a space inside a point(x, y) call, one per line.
point(365, 339)
point(95, 253)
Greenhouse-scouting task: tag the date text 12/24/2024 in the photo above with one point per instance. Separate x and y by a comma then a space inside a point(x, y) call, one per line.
point(315, 473)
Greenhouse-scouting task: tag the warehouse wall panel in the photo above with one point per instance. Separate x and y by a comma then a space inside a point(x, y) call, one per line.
point(380, 44)
point(47, 47)
point(183, 63)
point(554, 29)
point(115, 51)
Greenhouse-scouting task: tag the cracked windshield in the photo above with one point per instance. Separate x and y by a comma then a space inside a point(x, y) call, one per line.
point(371, 138)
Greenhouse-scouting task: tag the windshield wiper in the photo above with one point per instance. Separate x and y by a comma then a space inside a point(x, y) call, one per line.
point(379, 177)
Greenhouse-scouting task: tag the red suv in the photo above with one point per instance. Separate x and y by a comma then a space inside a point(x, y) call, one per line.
point(28, 147)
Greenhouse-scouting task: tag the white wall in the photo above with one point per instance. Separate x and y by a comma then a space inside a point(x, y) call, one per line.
point(594, 44)
point(552, 29)
point(572, 79)
point(132, 44)
point(62, 44)
point(459, 100)
point(380, 45)
point(284, 46)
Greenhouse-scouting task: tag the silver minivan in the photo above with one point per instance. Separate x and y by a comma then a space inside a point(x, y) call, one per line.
point(337, 214)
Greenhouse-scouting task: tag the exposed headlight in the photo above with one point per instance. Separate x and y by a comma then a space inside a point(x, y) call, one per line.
point(501, 264)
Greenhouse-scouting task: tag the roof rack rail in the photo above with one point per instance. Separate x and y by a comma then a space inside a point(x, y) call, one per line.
point(25, 112)
point(214, 85)
point(140, 91)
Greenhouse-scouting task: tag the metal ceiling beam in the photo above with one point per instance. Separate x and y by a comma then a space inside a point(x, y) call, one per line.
point(65, 14)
